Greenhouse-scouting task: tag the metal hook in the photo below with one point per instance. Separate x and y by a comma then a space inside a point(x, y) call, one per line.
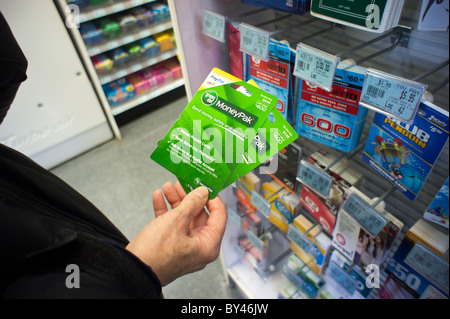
point(384, 196)
point(431, 71)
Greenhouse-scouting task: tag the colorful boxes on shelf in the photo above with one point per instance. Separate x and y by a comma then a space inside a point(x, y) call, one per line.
point(118, 91)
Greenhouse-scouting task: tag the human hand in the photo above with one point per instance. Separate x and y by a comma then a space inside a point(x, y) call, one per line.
point(184, 239)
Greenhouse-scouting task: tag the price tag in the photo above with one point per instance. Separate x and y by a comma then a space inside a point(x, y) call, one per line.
point(234, 217)
point(214, 25)
point(429, 264)
point(315, 66)
point(314, 178)
point(344, 279)
point(391, 95)
point(260, 203)
point(254, 41)
point(255, 240)
point(367, 216)
point(299, 238)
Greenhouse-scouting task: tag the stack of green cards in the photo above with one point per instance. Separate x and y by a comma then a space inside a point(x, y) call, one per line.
point(223, 133)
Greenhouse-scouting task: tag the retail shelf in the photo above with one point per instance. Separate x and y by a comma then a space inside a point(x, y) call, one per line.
point(129, 38)
point(251, 285)
point(124, 71)
point(140, 99)
point(105, 10)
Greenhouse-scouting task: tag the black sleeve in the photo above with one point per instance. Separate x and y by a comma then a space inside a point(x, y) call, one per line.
point(13, 67)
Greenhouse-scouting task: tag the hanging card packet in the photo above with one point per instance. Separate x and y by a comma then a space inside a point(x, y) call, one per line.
point(222, 134)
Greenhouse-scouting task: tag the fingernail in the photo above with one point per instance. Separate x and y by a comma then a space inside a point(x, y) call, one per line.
point(202, 191)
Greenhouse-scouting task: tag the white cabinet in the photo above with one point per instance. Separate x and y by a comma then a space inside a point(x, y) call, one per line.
point(56, 114)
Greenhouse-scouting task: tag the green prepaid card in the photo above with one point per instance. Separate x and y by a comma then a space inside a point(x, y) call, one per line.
point(222, 134)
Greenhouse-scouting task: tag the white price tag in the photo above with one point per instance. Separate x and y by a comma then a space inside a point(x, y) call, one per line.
point(367, 216)
point(315, 66)
point(391, 95)
point(214, 25)
point(254, 41)
point(430, 265)
point(314, 178)
point(234, 217)
point(261, 204)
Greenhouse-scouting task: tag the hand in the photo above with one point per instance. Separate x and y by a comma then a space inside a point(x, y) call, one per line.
point(184, 239)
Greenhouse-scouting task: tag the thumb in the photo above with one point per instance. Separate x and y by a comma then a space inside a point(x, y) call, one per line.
point(194, 202)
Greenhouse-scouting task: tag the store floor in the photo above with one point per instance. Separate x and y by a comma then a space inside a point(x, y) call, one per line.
point(119, 178)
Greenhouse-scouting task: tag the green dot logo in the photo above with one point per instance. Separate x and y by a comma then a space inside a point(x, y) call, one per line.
point(197, 181)
point(209, 97)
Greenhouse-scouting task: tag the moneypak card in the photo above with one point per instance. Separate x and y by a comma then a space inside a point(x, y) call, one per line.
point(223, 133)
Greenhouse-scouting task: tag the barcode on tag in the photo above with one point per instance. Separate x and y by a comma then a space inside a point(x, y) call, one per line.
point(375, 92)
point(303, 66)
point(247, 40)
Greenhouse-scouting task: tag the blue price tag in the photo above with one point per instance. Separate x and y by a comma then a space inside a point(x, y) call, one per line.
point(234, 217)
point(367, 216)
point(261, 204)
point(315, 66)
point(298, 238)
point(391, 95)
point(214, 25)
point(344, 279)
point(254, 41)
point(255, 240)
point(314, 178)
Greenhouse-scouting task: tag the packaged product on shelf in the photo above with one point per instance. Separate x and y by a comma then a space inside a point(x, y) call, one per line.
point(143, 16)
point(174, 66)
point(135, 51)
point(160, 12)
point(128, 23)
point(292, 6)
point(289, 291)
point(119, 56)
point(110, 29)
point(222, 134)
point(392, 290)
point(140, 84)
point(243, 194)
point(90, 33)
point(234, 52)
point(288, 161)
point(118, 91)
point(82, 4)
point(97, 2)
point(302, 277)
point(153, 76)
point(420, 264)
point(369, 15)
point(404, 154)
point(250, 221)
point(102, 63)
point(357, 243)
point(150, 46)
point(333, 118)
point(437, 211)
point(310, 243)
point(165, 41)
point(274, 75)
point(344, 176)
point(433, 16)
point(284, 204)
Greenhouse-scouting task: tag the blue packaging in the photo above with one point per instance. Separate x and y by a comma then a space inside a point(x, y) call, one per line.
point(333, 118)
point(405, 154)
point(293, 6)
point(272, 76)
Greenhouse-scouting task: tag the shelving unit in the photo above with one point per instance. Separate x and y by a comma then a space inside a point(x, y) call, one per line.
point(412, 57)
point(95, 13)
